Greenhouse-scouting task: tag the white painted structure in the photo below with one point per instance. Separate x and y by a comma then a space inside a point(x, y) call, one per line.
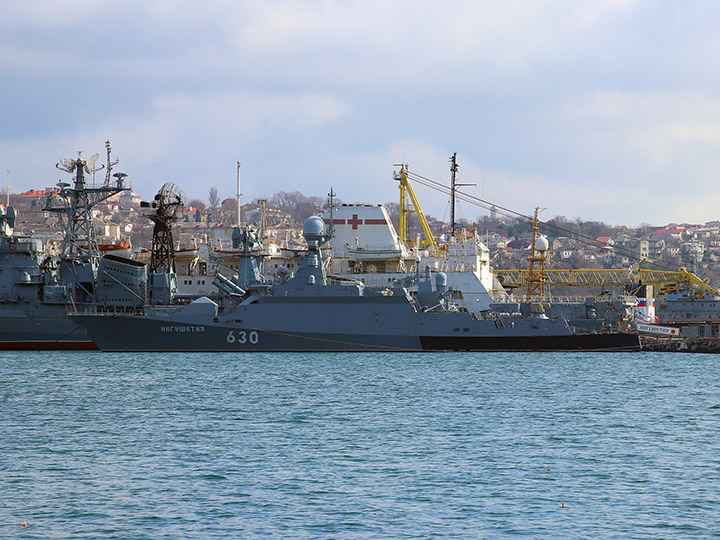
point(365, 246)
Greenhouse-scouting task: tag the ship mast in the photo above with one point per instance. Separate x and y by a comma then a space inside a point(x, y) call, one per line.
point(263, 222)
point(453, 190)
point(538, 250)
point(166, 205)
point(75, 211)
point(239, 207)
point(453, 171)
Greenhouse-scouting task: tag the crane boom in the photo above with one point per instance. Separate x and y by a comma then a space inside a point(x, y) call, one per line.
point(406, 191)
point(603, 277)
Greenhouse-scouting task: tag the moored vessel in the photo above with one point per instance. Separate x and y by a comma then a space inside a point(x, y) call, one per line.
point(310, 312)
point(36, 290)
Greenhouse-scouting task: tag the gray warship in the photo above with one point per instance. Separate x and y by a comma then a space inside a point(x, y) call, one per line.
point(308, 311)
point(366, 246)
point(36, 290)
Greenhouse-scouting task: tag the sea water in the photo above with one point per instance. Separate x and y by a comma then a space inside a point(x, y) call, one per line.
point(456, 445)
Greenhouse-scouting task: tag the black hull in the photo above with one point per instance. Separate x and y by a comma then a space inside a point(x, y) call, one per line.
point(601, 342)
point(47, 346)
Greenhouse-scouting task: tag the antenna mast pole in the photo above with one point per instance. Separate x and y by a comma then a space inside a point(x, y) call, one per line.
point(239, 207)
point(453, 190)
point(263, 221)
point(331, 196)
point(453, 171)
point(8, 189)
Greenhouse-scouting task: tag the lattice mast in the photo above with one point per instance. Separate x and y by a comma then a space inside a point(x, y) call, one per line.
point(166, 205)
point(73, 205)
point(538, 252)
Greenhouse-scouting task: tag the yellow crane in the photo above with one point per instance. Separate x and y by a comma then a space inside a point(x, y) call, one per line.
point(406, 207)
point(536, 277)
point(666, 280)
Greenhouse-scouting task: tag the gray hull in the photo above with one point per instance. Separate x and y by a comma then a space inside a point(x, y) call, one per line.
point(308, 312)
point(36, 290)
point(316, 324)
point(41, 329)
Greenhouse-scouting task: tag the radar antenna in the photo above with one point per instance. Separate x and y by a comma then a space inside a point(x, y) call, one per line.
point(90, 167)
point(66, 164)
point(90, 164)
point(166, 205)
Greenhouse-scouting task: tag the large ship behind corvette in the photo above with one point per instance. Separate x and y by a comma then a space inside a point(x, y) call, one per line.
point(36, 289)
point(308, 311)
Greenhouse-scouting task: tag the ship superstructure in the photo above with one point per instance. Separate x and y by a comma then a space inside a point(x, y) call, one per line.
point(365, 246)
point(36, 291)
point(310, 311)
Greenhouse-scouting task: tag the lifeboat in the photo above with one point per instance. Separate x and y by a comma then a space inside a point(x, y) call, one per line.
point(119, 249)
point(186, 253)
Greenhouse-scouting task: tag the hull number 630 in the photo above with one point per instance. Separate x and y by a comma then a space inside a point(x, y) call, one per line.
point(242, 337)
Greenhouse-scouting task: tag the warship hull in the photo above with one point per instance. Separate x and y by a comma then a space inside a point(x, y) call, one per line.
point(36, 289)
point(308, 312)
point(20, 331)
point(597, 342)
point(312, 324)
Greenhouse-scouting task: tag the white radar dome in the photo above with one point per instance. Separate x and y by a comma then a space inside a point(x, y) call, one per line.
point(542, 244)
point(314, 228)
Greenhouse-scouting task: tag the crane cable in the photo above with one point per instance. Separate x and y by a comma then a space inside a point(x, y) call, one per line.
point(506, 212)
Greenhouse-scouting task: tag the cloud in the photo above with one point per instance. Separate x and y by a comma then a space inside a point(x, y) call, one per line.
point(589, 105)
point(185, 134)
point(385, 44)
point(41, 14)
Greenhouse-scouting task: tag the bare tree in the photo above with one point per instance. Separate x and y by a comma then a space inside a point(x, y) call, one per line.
point(213, 197)
point(296, 204)
point(197, 203)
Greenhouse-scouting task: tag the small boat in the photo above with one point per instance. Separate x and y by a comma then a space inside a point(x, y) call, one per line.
point(186, 252)
point(119, 249)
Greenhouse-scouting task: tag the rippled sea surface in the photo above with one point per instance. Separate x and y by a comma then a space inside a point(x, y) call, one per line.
point(460, 445)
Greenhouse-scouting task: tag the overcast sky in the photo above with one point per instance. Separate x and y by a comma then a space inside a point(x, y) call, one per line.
point(606, 110)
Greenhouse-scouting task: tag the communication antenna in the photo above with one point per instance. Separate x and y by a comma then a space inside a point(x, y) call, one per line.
point(453, 189)
point(239, 206)
point(90, 166)
point(166, 204)
point(110, 163)
point(331, 203)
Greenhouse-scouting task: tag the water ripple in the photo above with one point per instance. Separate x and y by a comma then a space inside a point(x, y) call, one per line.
point(359, 446)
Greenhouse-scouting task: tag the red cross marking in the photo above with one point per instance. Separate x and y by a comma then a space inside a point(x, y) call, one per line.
point(354, 222)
